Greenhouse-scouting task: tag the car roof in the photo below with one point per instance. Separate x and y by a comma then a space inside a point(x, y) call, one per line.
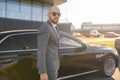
point(11, 32)
point(18, 31)
point(24, 31)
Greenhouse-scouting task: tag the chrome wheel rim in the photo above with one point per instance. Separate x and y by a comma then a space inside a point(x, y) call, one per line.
point(109, 66)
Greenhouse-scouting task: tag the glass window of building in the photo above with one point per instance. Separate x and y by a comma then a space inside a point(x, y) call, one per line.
point(13, 9)
point(2, 5)
point(13, 5)
point(96, 27)
point(2, 8)
point(25, 10)
point(45, 12)
point(37, 11)
point(25, 6)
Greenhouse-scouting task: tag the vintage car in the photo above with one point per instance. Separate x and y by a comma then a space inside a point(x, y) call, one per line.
point(94, 33)
point(18, 49)
point(111, 35)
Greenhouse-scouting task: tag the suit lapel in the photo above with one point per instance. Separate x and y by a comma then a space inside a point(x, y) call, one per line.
point(52, 28)
point(55, 33)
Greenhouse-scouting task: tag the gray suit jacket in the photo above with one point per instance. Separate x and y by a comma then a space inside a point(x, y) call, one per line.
point(48, 47)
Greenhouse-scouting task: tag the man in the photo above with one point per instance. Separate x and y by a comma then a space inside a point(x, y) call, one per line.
point(48, 46)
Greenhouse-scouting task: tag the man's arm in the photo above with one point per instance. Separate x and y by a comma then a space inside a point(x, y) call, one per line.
point(43, 37)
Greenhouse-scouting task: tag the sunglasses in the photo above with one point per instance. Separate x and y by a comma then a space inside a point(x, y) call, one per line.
point(54, 14)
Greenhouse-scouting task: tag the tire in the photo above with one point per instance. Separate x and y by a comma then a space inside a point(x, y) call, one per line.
point(108, 67)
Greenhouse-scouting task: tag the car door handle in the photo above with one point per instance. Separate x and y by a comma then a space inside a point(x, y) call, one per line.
point(7, 61)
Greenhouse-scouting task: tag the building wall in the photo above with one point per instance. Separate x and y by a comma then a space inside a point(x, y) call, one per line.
point(103, 27)
point(25, 14)
point(32, 10)
point(65, 27)
point(15, 24)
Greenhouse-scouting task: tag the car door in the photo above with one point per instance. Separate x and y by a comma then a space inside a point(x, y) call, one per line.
point(73, 59)
point(17, 57)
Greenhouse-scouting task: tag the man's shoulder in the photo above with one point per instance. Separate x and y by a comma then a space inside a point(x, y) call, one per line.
point(46, 24)
point(44, 27)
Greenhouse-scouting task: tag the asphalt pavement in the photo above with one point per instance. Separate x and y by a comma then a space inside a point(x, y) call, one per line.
point(96, 76)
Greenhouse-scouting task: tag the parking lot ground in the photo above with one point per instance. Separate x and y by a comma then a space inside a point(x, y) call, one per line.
point(96, 76)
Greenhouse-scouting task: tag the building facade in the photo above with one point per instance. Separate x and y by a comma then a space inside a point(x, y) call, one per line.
point(24, 13)
point(90, 26)
point(86, 27)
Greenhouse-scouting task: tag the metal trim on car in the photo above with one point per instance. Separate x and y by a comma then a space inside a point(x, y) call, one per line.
point(75, 75)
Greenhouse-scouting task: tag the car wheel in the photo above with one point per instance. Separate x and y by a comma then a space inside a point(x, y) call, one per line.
point(108, 67)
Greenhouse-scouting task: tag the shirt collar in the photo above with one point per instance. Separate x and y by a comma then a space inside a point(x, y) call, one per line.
point(54, 25)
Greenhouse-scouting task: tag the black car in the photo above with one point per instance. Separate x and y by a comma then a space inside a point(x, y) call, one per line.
point(18, 50)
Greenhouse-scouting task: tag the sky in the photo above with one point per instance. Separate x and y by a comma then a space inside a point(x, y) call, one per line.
point(95, 11)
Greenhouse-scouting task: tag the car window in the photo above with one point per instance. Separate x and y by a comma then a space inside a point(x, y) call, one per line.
point(68, 42)
point(19, 42)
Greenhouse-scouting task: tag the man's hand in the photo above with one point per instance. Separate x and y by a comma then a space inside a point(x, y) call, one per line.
point(44, 76)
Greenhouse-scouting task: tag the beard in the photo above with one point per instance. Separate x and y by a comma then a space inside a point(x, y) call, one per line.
point(55, 20)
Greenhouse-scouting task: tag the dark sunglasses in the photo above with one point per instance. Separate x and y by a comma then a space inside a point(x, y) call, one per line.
point(54, 14)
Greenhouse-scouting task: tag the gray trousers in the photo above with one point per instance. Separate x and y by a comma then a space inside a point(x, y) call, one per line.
point(52, 75)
